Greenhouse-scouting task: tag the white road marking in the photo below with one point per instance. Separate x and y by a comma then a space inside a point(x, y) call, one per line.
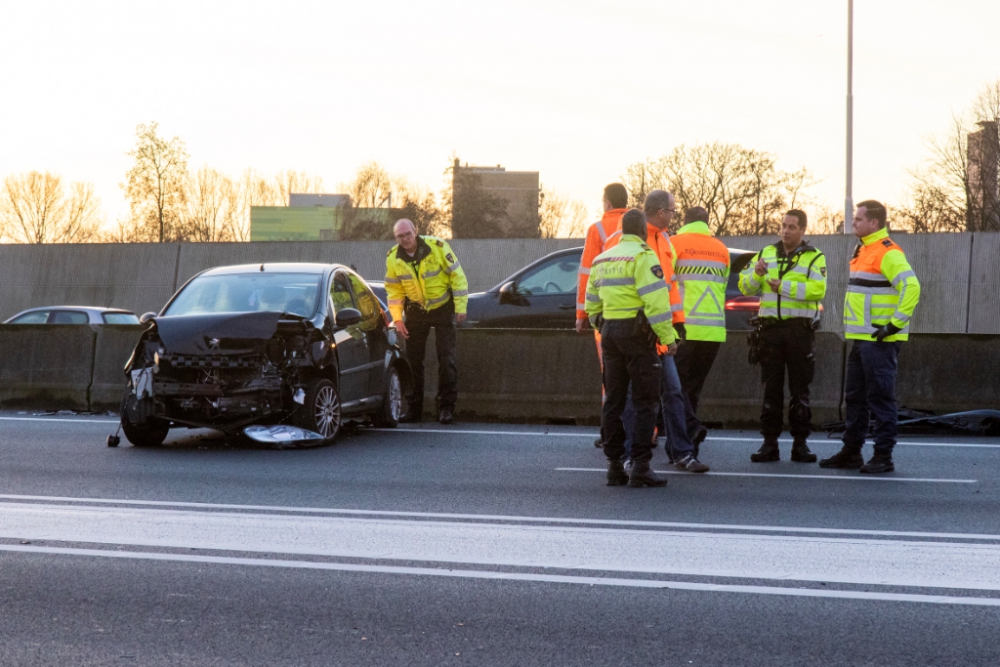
point(854, 478)
point(532, 434)
point(514, 576)
point(507, 518)
point(881, 562)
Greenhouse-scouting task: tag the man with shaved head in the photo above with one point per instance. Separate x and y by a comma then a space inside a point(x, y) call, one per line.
point(426, 288)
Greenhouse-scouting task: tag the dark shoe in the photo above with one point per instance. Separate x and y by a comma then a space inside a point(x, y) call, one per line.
point(845, 458)
point(691, 464)
point(879, 463)
point(412, 416)
point(616, 474)
point(768, 452)
point(642, 476)
point(445, 416)
point(599, 443)
point(699, 438)
point(801, 452)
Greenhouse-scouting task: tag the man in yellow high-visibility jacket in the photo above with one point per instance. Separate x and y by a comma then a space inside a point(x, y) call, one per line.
point(426, 287)
point(629, 302)
point(882, 293)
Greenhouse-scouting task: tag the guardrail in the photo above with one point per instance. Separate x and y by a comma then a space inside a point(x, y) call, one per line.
point(521, 374)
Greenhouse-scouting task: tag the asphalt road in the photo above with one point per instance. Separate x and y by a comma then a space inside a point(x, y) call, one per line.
point(487, 544)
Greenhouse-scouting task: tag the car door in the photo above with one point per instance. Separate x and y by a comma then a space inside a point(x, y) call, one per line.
point(542, 297)
point(352, 346)
point(375, 334)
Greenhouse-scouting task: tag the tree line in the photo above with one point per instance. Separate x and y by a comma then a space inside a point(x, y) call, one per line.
point(743, 189)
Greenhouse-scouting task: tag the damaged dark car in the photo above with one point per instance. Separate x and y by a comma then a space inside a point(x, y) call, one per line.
point(306, 345)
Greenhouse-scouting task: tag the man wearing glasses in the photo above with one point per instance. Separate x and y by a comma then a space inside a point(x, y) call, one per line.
point(426, 287)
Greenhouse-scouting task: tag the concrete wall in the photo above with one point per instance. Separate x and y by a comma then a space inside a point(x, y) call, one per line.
point(959, 273)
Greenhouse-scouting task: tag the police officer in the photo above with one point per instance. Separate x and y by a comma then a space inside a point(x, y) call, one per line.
point(624, 281)
point(426, 287)
point(882, 294)
point(790, 276)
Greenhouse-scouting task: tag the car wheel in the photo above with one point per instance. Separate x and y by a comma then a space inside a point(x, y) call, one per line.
point(321, 410)
point(145, 435)
point(391, 410)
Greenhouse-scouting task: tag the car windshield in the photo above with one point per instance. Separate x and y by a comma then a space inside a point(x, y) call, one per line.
point(295, 293)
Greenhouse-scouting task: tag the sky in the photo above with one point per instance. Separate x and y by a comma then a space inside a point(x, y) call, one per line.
point(576, 90)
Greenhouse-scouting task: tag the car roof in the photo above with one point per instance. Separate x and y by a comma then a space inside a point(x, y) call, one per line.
point(278, 267)
point(87, 309)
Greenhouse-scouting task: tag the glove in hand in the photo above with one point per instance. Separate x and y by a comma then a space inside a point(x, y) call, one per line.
point(884, 331)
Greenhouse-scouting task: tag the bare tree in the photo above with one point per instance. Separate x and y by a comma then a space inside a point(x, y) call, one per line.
point(35, 208)
point(213, 206)
point(287, 182)
point(156, 185)
point(559, 216)
point(956, 189)
point(742, 188)
point(371, 188)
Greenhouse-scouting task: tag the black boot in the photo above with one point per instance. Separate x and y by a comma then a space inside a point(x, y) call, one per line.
point(768, 452)
point(642, 476)
point(616, 473)
point(801, 452)
point(847, 457)
point(879, 463)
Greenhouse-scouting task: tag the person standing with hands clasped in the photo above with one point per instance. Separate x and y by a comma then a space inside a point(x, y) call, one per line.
point(882, 294)
point(629, 302)
point(790, 276)
point(426, 287)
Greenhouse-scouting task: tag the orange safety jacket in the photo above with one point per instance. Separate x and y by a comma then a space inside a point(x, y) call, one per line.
point(659, 241)
point(703, 272)
point(597, 235)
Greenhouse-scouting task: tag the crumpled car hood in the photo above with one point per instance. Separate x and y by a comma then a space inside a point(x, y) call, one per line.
point(193, 334)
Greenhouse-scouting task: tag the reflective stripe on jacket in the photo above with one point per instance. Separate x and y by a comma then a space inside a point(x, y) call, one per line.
point(882, 289)
point(802, 276)
point(702, 271)
point(628, 279)
point(597, 235)
point(431, 277)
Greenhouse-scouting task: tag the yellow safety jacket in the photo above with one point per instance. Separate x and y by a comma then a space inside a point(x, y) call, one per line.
point(882, 289)
point(430, 278)
point(802, 276)
point(627, 279)
point(702, 271)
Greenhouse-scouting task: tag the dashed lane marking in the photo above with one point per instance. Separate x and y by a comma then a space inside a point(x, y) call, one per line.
point(854, 478)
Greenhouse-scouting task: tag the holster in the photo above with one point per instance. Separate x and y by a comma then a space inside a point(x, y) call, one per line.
point(753, 341)
point(644, 330)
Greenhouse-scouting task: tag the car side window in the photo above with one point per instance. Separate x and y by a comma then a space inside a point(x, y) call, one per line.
point(366, 303)
point(36, 317)
point(120, 318)
point(340, 293)
point(557, 276)
point(69, 317)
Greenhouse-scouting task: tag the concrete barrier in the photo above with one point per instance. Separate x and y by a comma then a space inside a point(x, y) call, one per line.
point(733, 391)
point(46, 366)
point(112, 349)
point(945, 373)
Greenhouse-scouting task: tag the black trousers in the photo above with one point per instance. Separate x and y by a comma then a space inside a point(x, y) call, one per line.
point(629, 357)
point(694, 360)
point(787, 345)
point(419, 325)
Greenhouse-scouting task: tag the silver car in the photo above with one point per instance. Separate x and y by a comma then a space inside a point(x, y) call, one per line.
point(74, 315)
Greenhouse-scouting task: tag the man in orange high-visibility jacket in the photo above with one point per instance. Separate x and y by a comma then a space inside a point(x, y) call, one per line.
point(702, 271)
point(659, 210)
point(615, 205)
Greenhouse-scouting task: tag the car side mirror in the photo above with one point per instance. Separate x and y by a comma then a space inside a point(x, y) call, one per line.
point(146, 317)
point(348, 317)
point(508, 292)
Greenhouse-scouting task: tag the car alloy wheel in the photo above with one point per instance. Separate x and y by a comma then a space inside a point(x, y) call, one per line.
point(326, 410)
point(391, 410)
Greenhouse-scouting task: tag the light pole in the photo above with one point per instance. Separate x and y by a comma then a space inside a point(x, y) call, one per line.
point(849, 200)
